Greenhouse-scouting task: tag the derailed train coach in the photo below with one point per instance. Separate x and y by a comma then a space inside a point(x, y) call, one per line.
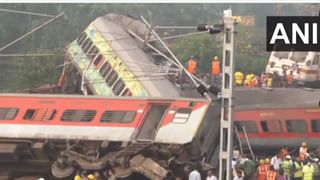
point(75, 133)
point(106, 59)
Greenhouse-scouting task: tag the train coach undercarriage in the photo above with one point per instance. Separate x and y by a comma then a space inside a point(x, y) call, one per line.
point(57, 159)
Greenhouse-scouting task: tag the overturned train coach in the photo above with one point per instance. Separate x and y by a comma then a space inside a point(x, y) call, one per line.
point(145, 135)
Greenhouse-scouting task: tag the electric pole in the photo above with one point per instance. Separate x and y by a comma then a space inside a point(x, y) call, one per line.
point(226, 121)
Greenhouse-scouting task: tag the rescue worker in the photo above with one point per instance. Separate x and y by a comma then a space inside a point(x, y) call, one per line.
point(192, 65)
point(271, 174)
point(276, 162)
point(262, 170)
point(247, 81)
point(254, 81)
point(267, 164)
point(238, 78)
point(303, 152)
point(290, 79)
point(283, 152)
point(269, 80)
point(215, 70)
point(297, 168)
point(284, 78)
point(287, 166)
point(263, 79)
point(308, 171)
point(316, 173)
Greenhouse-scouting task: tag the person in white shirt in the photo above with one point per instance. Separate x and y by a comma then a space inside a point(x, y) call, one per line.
point(276, 162)
point(194, 175)
point(210, 175)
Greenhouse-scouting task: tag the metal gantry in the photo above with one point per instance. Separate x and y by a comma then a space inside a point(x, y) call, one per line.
point(226, 128)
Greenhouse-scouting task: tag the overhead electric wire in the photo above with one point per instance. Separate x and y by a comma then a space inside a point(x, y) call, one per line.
point(25, 12)
point(33, 30)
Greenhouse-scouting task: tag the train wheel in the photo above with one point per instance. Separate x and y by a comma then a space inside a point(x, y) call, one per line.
point(62, 171)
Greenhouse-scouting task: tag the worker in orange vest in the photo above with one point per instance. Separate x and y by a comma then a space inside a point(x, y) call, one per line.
point(271, 174)
point(215, 70)
point(192, 65)
point(303, 152)
point(290, 79)
point(262, 170)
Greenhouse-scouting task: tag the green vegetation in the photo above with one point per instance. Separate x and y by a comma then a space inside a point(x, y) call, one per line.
point(27, 72)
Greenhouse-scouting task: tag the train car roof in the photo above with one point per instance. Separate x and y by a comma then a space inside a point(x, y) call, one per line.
point(245, 98)
point(99, 97)
point(257, 98)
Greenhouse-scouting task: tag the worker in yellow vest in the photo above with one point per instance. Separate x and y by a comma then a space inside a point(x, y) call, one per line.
point(238, 78)
point(215, 70)
point(248, 80)
point(308, 171)
point(269, 81)
point(287, 167)
point(192, 65)
point(297, 169)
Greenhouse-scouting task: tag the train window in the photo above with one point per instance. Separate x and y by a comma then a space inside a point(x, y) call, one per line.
point(315, 124)
point(98, 60)
point(76, 115)
point(118, 87)
point(316, 60)
point(249, 126)
point(85, 43)
point(271, 126)
point(8, 113)
point(105, 69)
point(127, 92)
point(112, 77)
point(182, 115)
point(93, 52)
point(87, 46)
point(118, 116)
point(39, 114)
point(296, 126)
point(82, 38)
point(30, 114)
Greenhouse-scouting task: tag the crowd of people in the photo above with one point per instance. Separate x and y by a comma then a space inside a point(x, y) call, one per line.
point(264, 80)
point(282, 166)
point(242, 80)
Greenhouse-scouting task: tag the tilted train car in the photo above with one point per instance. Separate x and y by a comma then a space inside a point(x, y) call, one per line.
point(107, 60)
point(145, 135)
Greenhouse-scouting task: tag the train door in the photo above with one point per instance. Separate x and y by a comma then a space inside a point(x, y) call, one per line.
point(151, 121)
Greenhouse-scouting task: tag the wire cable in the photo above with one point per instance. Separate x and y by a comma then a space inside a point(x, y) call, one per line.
point(25, 12)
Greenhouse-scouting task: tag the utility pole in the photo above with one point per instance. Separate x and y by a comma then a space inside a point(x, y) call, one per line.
point(226, 127)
